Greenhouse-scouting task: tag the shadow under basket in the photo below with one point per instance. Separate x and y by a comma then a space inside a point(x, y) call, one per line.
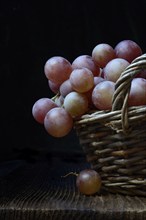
point(114, 141)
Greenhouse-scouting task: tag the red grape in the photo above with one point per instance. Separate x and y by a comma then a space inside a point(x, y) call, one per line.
point(128, 50)
point(54, 86)
point(82, 80)
point(41, 107)
point(57, 69)
point(98, 79)
point(114, 68)
point(88, 182)
point(58, 122)
point(66, 88)
point(102, 95)
point(76, 103)
point(137, 94)
point(88, 62)
point(141, 74)
point(102, 54)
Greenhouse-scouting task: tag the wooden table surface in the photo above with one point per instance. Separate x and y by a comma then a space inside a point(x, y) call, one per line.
point(35, 190)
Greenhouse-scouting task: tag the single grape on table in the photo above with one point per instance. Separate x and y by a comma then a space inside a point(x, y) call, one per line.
point(88, 181)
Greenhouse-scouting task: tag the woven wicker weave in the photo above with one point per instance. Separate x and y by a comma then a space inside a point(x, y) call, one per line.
point(114, 141)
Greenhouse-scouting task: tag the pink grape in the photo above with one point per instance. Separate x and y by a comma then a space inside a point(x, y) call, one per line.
point(41, 107)
point(88, 182)
point(102, 53)
point(141, 74)
point(76, 104)
point(137, 94)
point(54, 86)
point(57, 122)
point(82, 80)
point(102, 95)
point(88, 62)
point(57, 69)
point(89, 97)
point(65, 88)
point(114, 68)
point(98, 79)
point(128, 50)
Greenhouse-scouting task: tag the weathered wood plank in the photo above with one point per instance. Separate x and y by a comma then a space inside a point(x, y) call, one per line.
point(37, 191)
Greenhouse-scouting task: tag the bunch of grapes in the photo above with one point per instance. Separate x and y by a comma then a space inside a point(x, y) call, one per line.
point(88, 83)
point(85, 84)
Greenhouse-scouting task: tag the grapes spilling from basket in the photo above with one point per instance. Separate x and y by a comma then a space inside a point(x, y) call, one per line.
point(88, 181)
point(85, 84)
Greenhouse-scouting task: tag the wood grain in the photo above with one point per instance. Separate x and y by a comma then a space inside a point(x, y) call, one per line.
point(37, 191)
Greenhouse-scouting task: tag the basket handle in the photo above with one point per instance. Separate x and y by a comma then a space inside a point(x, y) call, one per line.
point(122, 89)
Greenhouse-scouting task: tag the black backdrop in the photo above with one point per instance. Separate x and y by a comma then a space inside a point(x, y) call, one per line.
point(30, 33)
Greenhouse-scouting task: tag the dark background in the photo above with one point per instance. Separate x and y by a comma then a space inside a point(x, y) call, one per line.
point(30, 33)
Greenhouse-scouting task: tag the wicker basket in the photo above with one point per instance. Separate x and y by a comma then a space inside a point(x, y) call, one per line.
point(114, 142)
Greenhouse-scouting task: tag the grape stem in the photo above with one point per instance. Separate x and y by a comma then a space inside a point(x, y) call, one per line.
point(71, 173)
point(56, 96)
